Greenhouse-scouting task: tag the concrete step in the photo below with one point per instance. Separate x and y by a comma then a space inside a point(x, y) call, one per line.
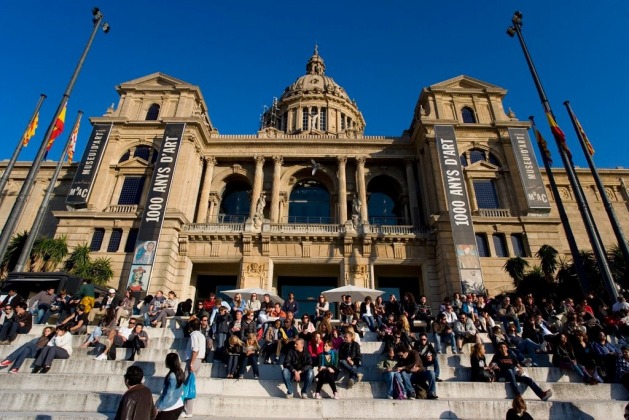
point(565, 391)
point(59, 415)
point(345, 408)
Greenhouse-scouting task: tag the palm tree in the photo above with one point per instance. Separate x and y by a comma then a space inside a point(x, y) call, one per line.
point(79, 261)
point(48, 253)
point(548, 258)
point(100, 271)
point(618, 266)
point(515, 268)
point(13, 252)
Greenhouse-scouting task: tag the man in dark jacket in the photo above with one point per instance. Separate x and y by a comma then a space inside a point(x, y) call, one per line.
point(350, 359)
point(12, 298)
point(137, 402)
point(412, 371)
point(298, 367)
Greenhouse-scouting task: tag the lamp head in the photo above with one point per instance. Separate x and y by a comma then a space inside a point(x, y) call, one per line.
point(517, 18)
point(511, 31)
point(106, 27)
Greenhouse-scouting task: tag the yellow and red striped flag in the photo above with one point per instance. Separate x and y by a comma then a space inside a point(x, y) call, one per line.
point(588, 145)
point(31, 130)
point(559, 135)
point(73, 137)
point(58, 128)
point(544, 146)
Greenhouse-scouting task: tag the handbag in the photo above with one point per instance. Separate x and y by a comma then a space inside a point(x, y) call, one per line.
point(189, 388)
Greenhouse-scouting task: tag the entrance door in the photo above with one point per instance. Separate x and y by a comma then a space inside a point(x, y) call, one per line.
point(398, 286)
point(215, 284)
point(307, 291)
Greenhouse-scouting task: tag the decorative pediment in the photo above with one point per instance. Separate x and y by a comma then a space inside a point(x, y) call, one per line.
point(154, 80)
point(482, 165)
point(464, 82)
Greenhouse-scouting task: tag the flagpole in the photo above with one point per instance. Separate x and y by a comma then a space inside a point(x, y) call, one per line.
point(18, 207)
point(609, 208)
point(39, 219)
point(590, 227)
point(5, 176)
point(563, 216)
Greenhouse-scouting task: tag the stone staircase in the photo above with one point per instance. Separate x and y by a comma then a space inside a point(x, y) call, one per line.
point(83, 388)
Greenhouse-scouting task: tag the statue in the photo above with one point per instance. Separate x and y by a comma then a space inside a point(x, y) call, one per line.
point(356, 206)
point(261, 205)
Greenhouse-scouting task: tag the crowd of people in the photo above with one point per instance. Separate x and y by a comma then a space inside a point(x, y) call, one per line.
point(316, 349)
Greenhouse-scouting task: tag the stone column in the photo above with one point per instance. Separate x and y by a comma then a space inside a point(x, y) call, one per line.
point(210, 162)
point(278, 161)
point(412, 192)
point(362, 190)
point(342, 196)
point(106, 239)
point(257, 185)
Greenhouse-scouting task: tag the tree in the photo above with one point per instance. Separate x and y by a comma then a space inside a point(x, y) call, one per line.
point(79, 261)
point(48, 253)
point(618, 266)
point(81, 265)
point(548, 258)
point(13, 252)
point(100, 271)
point(515, 268)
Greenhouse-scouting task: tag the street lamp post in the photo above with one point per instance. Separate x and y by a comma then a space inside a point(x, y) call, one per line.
point(27, 187)
point(590, 227)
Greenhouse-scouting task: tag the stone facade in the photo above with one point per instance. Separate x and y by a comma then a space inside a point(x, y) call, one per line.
point(313, 137)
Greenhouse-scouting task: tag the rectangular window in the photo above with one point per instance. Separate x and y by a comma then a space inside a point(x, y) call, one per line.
point(131, 238)
point(323, 119)
point(482, 245)
point(304, 119)
point(486, 195)
point(500, 245)
point(519, 249)
point(342, 121)
point(114, 240)
point(131, 190)
point(97, 239)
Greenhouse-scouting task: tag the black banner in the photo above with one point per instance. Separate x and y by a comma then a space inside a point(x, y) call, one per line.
point(88, 168)
point(459, 210)
point(154, 209)
point(536, 197)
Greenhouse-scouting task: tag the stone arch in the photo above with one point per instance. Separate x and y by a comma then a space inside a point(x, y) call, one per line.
point(387, 200)
point(235, 198)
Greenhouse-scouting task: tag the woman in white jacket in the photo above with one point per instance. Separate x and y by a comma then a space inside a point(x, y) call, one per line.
point(60, 347)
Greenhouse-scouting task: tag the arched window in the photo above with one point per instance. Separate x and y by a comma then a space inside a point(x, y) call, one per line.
point(468, 115)
point(235, 203)
point(309, 203)
point(383, 204)
point(152, 113)
point(479, 155)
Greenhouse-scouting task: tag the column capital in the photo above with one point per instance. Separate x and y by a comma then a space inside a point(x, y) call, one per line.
point(342, 160)
point(409, 160)
point(361, 160)
point(210, 161)
point(259, 160)
point(278, 160)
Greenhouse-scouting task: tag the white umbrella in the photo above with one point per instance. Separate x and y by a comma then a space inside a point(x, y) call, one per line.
point(246, 294)
point(357, 293)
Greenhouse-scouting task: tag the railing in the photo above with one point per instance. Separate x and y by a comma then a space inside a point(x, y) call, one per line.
point(387, 220)
point(215, 227)
point(400, 230)
point(126, 208)
point(494, 212)
point(303, 228)
point(231, 218)
point(308, 220)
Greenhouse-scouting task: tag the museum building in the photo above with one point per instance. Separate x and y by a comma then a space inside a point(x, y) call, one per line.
point(309, 202)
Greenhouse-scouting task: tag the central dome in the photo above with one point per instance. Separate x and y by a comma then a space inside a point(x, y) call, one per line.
point(315, 104)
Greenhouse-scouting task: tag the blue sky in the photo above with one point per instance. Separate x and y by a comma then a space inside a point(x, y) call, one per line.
point(244, 53)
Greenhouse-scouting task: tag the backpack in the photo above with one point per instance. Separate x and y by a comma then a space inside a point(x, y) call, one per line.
point(398, 389)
